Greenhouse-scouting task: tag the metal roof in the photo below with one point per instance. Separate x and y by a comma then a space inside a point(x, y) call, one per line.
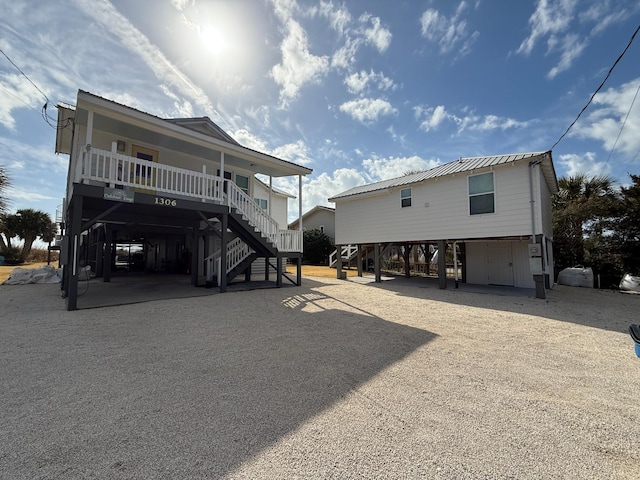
point(467, 164)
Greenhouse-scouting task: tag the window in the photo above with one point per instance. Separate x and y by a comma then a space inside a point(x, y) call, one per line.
point(262, 203)
point(243, 183)
point(405, 197)
point(481, 194)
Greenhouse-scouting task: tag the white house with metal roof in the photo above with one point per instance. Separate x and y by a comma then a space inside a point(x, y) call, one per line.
point(494, 211)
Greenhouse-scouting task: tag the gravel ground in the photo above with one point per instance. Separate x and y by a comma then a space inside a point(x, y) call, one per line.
point(333, 379)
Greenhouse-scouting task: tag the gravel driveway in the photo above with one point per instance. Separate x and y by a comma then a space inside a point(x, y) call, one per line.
point(333, 379)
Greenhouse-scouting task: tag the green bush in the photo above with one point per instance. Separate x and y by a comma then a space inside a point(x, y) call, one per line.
point(317, 247)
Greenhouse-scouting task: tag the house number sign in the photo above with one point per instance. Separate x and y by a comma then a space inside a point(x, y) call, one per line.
point(169, 202)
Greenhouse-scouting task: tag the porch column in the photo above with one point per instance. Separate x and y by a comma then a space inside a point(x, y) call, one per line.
point(270, 191)
point(222, 174)
point(339, 261)
point(442, 266)
point(89, 127)
point(74, 252)
point(299, 270)
point(359, 260)
point(108, 250)
point(266, 269)
point(100, 252)
point(223, 252)
point(376, 262)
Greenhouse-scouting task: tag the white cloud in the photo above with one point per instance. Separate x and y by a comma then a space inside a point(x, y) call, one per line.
point(357, 82)
point(179, 4)
point(586, 164)
point(451, 34)
point(555, 21)
point(345, 56)
point(367, 110)
point(249, 140)
point(384, 168)
point(298, 66)
point(434, 117)
point(376, 34)
point(105, 14)
point(15, 93)
point(339, 17)
point(571, 49)
point(604, 123)
point(297, 152)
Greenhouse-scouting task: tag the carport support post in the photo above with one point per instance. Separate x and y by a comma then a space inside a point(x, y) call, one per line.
point(74, 252)
point(223, 252)
point(299, 270)
point(376, 262)
point(279, 271)
point(108, 250)
point(195, 250)
point(359, 260)
point(339, 261)
point(406, 254)
point(442, 266)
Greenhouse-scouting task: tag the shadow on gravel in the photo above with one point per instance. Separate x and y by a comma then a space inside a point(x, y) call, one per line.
point(187, 388)
point(605, 309)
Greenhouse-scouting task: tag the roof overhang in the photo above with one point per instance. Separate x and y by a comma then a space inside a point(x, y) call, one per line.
point(116, 118)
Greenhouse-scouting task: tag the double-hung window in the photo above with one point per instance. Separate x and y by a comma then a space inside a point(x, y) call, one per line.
point(481, 194)
point(262, 203)
point(405, 197)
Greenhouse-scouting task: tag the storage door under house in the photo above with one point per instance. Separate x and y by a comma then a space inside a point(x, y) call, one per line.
point(500, 263)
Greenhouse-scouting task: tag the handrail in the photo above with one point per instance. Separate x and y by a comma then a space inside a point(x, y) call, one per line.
point(237, 251)
point(254, 214)
point(118, 169)
point(347, 252)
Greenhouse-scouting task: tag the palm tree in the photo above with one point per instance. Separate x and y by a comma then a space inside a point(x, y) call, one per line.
point(582, 208)
point(30, 225)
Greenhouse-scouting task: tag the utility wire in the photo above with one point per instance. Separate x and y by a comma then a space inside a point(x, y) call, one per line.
point(621, 128)
point(25, 75)
point(599, 87)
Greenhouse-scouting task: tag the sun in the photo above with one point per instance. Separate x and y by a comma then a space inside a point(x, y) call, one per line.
point(213, 39)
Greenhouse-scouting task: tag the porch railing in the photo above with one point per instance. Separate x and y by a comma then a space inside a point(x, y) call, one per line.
point(284, 240)
point(116, 169)
point(347, 252)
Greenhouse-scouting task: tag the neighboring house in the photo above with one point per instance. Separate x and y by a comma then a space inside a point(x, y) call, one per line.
point(319, 217)
point(490, 209)
point(180, 191)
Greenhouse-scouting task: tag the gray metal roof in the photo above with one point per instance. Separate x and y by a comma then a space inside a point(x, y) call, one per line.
point(457, 166)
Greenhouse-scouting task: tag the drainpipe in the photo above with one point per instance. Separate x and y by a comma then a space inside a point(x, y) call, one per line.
point(538, 279)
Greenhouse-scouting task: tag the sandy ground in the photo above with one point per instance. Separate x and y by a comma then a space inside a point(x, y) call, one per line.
point(334, 379)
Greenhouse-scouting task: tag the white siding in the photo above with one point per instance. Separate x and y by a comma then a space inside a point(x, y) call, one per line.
point(279, 203)
point(316, 219)
point(380, 218)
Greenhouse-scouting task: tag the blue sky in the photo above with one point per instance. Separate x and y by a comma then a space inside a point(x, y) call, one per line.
point(360, 90)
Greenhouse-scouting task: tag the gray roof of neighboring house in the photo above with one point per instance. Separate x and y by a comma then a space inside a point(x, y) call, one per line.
point(312, 211)
point(457, 166)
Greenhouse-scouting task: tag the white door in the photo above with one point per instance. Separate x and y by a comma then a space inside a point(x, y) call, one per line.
point(500, 263)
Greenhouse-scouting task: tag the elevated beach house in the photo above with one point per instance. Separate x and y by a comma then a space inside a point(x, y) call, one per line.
point(173, 196)
point(492, 214)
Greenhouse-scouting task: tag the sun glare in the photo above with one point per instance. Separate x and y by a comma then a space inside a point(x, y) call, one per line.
point(213, 39)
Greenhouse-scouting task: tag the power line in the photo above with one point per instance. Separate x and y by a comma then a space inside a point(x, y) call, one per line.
point(25, 75)
point(621, 128)
point(599, 87)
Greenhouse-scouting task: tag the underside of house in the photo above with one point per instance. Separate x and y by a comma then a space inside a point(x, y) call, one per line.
point(168, 196)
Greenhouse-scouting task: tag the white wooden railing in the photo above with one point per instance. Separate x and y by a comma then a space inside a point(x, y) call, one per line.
point(115, 169)
point(347, 252)
point(237, 251)
point(284, 240)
